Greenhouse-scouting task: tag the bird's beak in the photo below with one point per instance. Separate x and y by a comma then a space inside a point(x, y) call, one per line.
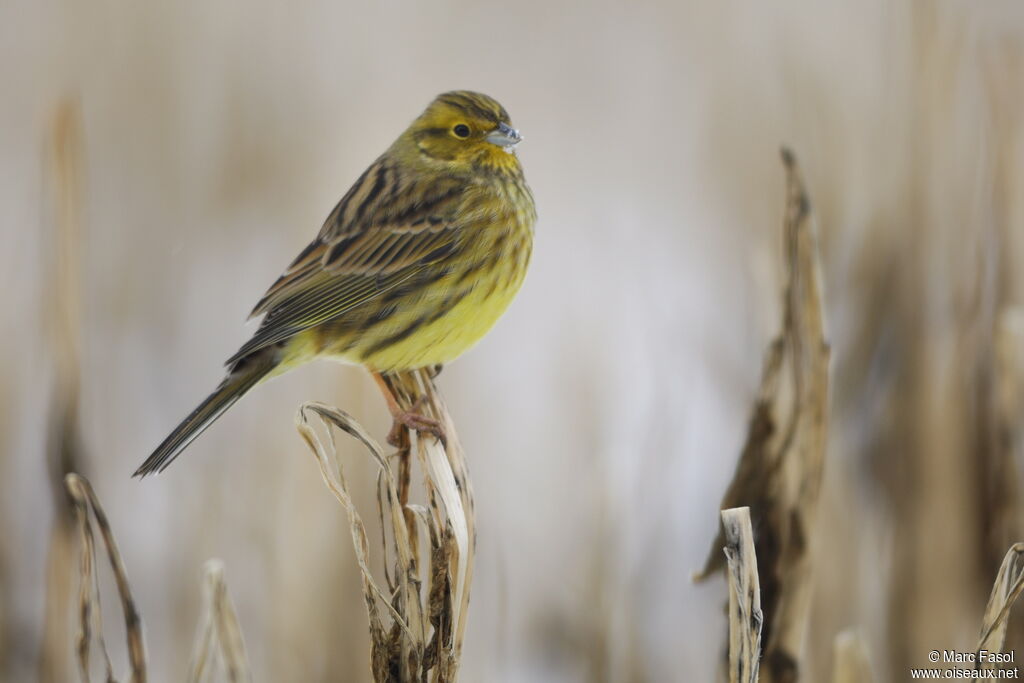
point(505, 136)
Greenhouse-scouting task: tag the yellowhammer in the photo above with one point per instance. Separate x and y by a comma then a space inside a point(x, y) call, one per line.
point(414, 265)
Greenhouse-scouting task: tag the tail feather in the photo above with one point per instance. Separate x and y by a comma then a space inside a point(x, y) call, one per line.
point(243, 378)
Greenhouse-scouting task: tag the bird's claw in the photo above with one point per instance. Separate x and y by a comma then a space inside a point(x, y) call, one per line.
point(422, 424)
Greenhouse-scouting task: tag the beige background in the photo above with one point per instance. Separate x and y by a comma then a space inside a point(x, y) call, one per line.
point(604, 414)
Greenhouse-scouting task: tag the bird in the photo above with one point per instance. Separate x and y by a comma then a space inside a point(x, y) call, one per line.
point(413, 266)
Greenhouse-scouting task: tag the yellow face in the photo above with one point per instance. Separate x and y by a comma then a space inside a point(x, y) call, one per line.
point(468, 130)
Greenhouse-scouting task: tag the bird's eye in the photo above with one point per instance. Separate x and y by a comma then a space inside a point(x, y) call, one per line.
point(461, 131)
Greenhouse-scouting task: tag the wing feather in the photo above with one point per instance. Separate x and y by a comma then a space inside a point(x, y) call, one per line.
point(374, 240)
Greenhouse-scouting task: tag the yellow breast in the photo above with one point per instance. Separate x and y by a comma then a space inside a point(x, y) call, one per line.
point(437, 321)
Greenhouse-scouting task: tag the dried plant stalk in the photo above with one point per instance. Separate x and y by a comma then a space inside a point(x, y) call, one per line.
point(745, 616)
point(91, 617)
point(422, 638)
point(394, 651)
point(1007, 588)
point(852, 664)
point(64, 448)
point(447, 477)
point(219, 634)
point(780, 469)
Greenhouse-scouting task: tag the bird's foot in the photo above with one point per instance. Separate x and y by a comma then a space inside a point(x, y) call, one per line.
point(411, 419)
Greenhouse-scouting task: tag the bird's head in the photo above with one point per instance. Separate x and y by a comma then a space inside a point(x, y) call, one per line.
point(464, 130)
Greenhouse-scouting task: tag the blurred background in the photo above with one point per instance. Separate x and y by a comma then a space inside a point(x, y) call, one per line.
point(604, 414)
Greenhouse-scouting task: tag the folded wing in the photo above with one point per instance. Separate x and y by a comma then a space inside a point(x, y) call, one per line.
point(382, 233)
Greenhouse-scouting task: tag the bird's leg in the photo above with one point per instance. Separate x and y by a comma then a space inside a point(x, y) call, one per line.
point(410, 419)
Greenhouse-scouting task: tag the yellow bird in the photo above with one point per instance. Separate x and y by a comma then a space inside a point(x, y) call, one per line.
point(412, 267)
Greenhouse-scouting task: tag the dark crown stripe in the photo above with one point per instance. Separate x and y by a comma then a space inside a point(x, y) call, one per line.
point(472, 106)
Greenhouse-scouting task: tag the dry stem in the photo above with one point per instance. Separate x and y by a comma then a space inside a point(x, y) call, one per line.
point(780, 469)
point(745, 616)
point(219, 634)
point(65, 444)
point(1007, 588)
point(422, 638)
point(91, 618)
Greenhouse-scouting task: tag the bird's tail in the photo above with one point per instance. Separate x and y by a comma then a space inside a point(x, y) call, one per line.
point(243, 377)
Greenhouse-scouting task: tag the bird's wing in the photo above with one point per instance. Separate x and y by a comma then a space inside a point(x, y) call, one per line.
point(383, 232)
